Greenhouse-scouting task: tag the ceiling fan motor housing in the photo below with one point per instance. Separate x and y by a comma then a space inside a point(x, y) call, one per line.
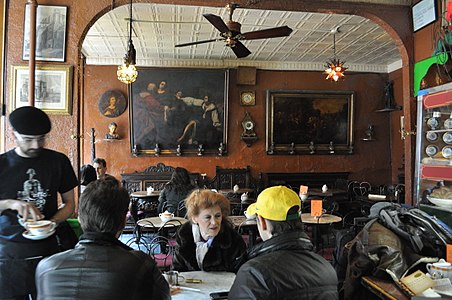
point(234, 27)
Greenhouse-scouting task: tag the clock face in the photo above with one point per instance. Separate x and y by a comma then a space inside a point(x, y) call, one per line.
point(247, 98)
point(249, 125)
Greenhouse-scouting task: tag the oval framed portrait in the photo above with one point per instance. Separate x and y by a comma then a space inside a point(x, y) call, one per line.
point(112, 104)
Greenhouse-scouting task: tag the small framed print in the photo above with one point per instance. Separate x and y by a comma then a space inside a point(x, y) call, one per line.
point(50, 33)
point(247, 98)
point(53, 88)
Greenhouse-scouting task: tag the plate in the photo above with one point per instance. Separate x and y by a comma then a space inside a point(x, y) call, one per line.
point(448, 123)
point(440, 202)
point(432, 123)
point(29, 236)
point(447, 138)
point(431, 150)
point(432, 136)
point(447, 152)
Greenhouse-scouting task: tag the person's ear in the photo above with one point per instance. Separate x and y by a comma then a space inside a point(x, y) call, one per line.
point(263, 222)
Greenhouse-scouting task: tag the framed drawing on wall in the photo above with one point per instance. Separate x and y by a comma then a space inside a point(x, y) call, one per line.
point(50, 33)
point(53, 88)
point(179, 111)
point(309, 122)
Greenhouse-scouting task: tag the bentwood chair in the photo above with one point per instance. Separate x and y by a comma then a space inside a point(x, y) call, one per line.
point(162, 250)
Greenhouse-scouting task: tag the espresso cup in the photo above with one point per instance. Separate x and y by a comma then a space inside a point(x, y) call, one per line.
point(39, 228)
point(440, 269)
point(166, 216)
point(172, 277)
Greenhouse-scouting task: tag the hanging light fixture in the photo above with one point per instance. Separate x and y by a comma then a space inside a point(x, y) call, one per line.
point(335, 68)
point(127, 72)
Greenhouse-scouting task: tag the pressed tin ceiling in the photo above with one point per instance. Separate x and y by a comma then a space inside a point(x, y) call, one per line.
point(364, 45)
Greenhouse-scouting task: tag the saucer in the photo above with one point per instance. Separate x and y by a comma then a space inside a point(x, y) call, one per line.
point(29, 236)
point(447, 138)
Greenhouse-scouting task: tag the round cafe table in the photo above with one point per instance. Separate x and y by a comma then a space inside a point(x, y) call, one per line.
point(325, 219)
point(211, 282)
point(156, 222)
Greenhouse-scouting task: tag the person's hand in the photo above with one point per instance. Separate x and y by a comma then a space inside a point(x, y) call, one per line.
point(26, 210)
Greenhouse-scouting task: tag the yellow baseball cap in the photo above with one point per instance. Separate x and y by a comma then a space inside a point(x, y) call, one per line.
point(274, 203)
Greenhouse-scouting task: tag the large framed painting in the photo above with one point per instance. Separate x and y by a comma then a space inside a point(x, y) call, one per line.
point(179, 112)
point(53, 88)
point(309, 122)
point(50, 33)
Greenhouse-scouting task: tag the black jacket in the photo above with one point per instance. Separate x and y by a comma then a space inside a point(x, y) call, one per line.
point(223, 255)
point(284, 267)
point(100, 267)
point(172, 196)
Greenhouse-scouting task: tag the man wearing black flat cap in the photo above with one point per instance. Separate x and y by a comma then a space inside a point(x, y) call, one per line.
point(31, 177)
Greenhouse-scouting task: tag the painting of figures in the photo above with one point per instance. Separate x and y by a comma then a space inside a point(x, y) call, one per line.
point(175, 111)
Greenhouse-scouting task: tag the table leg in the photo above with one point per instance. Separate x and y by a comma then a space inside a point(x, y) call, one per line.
point(134, 209)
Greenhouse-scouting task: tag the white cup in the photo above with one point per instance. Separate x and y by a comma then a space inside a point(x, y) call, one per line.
point(172, 277)
point(440, 269)
point(303, 197)
point(166, 216)
point(39, 228)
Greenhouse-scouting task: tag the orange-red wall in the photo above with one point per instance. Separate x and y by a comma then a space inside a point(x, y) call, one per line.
point(371, 160)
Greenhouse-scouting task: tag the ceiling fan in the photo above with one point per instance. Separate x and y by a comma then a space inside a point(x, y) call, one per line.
point(230, 33)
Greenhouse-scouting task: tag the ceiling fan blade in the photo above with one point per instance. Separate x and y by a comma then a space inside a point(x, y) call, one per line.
point(240, 50)
point(217, 22)
point(197, 43)
point(266, 33)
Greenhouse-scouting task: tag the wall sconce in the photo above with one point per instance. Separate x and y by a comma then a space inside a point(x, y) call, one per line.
point(200, 150)
point(221, 149)
point(369, 133)
point(157, 150)
point(311, 147)
point(178, 150)
point(403, 132)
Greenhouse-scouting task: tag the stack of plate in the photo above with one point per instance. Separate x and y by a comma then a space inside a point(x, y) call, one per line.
point(446, 203)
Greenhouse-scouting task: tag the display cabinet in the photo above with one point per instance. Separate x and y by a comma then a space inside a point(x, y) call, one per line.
point(433, 170)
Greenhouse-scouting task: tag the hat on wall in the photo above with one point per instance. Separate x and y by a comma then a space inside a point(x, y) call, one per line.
point(30, 120)
point(274, 203)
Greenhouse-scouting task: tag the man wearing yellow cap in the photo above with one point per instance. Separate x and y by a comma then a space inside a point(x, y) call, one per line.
point(283, 266)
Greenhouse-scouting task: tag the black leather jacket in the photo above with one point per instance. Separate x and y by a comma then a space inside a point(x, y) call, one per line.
point(100, 267)
point(284, 267)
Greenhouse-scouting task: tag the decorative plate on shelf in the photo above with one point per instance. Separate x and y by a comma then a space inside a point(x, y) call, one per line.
point(448, 123)
point(431, 150)
point(447, 138)
point(447, 203)
point(447, 151)
point(432, 123)
point(431, 136)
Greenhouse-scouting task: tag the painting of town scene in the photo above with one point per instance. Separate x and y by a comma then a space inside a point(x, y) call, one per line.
point(178, 111)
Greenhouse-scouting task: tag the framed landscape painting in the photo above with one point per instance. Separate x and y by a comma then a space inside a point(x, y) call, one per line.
point(309, 122)
point(179, 111)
